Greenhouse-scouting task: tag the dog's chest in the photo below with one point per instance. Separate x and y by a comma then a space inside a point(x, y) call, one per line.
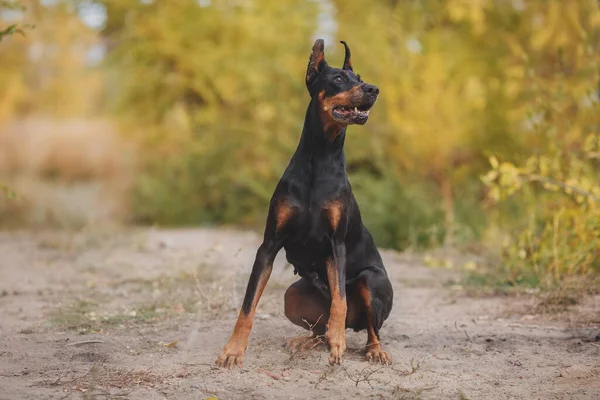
point(307, 256)
point(313, 197)
point(308, 245)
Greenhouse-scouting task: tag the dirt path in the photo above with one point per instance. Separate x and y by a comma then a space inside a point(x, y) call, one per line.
point(144, 314)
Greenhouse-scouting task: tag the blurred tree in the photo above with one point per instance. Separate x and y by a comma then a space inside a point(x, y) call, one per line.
point(13, 60)
point(12, 27)
point(428, 62)
point(212, 92)
point(49, 70)
point(217, 103)
point(552, 77)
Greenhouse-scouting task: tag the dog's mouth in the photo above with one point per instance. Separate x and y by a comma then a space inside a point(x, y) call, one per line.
point(352, 114)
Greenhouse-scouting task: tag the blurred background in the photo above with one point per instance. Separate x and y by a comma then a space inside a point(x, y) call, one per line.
point(185, 113)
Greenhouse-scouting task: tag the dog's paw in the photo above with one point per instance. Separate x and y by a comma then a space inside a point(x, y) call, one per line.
point(232, 355)
point(378, 355)
point(337, 346)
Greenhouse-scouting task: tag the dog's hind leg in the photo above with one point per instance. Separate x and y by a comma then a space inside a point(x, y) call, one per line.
point(374, 290)
point(306, 307)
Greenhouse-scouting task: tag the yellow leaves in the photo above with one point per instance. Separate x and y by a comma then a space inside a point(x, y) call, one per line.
point(514, 80)
point(472, 11)
point(515, 72)
point(475, 92)
point(594, 18)
point(509, 177)
point(548, 28)
point(562, 30)
point(265, 112)
point(494, 162)
point(489, 179)
point(522, 253)
point(495, 193)
point(512, 89)
point(573, 21)
point(504, 179)
point(591, 143)
point(177, 118)
point(457, 10)
point(553, 187)
point(435, 262)
point(470, 266)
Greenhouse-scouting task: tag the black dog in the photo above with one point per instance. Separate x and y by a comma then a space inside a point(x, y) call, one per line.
point(314, 216)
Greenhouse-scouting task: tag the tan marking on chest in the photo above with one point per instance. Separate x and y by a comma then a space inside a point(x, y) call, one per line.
point(334, 212)
point(284, 213)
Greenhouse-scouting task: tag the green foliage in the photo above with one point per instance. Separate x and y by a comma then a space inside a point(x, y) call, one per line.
point(216, 104)
point(558, 237)
point(14, 28)
point(212, 94)
point(9, 30)
point(399, 212)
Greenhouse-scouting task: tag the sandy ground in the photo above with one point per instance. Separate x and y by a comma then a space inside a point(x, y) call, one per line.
point(143, 315)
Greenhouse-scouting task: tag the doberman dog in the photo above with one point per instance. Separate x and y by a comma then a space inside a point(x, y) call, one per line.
point(313, 215)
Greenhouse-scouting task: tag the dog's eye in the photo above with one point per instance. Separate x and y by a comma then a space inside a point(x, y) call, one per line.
point(338, 79)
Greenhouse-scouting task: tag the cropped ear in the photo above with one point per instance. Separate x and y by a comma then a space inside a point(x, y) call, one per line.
point(316, 63)
point(347, 61)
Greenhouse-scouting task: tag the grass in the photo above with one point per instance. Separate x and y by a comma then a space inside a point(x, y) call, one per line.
point(74, 316)
point(558, 297)
point(82, 316)
point(143, 301)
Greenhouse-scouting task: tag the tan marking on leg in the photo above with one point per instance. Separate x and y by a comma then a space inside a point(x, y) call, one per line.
point(374, 352)
point(336, 326)
point(233, 352)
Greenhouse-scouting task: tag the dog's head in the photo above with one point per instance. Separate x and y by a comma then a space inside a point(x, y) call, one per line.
point(343, 97)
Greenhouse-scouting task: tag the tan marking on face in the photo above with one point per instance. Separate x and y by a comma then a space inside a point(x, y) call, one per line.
point(334, 213)
point(350, 98)
point(284, 212)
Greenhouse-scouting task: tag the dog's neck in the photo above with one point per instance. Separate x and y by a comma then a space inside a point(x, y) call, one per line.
point(315, 142)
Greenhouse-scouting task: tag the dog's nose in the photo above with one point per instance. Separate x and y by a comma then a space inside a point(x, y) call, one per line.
point(371, 89)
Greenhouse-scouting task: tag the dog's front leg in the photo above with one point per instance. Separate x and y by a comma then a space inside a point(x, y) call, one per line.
point(233, 352)
point(336, 326)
